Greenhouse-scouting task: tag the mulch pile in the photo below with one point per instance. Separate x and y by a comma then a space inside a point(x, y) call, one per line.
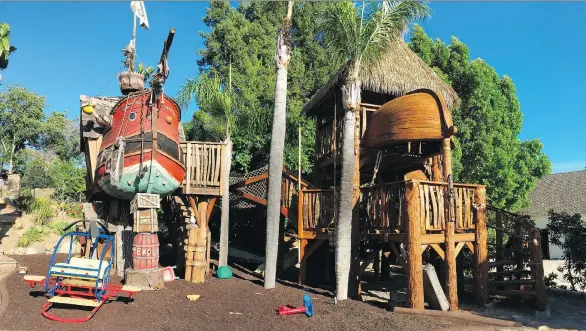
point(240, 303)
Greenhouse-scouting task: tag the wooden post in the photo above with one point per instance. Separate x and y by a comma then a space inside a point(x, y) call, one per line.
point(376, 264)
point(316, 170)
point(414, 265)
point(200, 256)
point(451, 275)
point(537, 269)
point(499, 241)
point(481, 247)
point(302, 261)
point(190, 251)
point(436, 173)
point(300, 214)
point(447, 158)
point(518, 244)
point(354, 283)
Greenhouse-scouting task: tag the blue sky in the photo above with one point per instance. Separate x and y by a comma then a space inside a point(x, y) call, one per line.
point(70, 48)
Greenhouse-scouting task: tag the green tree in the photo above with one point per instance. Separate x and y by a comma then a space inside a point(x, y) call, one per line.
point(358, 35)
point(34, 173)
point(21, 121)
point(245, 38)
point(488, 150)
point(60, 136)
point(5, 47)
point(68, 180)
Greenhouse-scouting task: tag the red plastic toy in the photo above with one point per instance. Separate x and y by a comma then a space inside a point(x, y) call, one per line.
point(307, 308)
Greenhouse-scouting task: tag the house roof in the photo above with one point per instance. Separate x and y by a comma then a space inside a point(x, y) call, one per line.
point(562, 192)
point(398, 72)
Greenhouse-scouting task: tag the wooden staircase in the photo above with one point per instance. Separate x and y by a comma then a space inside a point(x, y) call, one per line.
point(516, 267)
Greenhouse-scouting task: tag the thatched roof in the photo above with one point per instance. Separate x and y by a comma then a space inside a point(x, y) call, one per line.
point(398, 72)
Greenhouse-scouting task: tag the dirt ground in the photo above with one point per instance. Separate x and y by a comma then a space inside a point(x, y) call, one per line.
point(240, 303)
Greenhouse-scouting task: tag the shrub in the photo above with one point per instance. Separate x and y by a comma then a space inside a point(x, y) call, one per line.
point(567, 232)
point(43, 209)
point(74, 210)
point(57, 227)
point(25, 199)
point(32, 235)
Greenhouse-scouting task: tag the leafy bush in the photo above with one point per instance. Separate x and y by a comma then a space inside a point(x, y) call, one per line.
point(25, 199)
point(74, 210)
point(35, 173)
point(567, 231)
point(43, 209)
point(57, 227)
point(31, 235)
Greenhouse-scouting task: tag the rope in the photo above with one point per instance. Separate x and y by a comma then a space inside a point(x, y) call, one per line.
point(379, 157)
point(105, 87)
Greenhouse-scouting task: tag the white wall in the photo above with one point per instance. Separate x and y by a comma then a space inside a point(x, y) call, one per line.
point(555, 252)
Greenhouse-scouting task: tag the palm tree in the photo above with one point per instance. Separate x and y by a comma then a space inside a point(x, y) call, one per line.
point(282, 58)
point(217, 99)
point(357, 35)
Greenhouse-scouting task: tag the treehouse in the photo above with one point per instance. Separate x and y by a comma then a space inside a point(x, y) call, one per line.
point(405, 132)
point(138, 162)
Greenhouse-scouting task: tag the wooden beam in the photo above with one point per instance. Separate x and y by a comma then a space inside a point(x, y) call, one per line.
point(194, 209)
point(438, 250)
point(261, 201)
point(470, 247)
point(367, 261)
point(440, 238)
point(459, 247)
point(471, 318)
point(211, 206)
point(312, 247)
point(196, 190)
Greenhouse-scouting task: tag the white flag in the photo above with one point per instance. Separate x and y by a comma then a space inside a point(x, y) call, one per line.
point(139, 10)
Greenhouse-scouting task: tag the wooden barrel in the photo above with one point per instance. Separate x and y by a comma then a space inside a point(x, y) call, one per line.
point(145, 251)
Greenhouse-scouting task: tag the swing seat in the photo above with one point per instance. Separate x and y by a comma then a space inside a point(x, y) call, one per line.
point(81, 268)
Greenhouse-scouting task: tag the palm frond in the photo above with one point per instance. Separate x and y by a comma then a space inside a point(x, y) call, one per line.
point(340, 24)
point(387, 20)
point(360, 33)
point(212, 97)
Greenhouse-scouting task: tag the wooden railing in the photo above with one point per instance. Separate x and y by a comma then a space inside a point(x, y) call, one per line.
point(325, 138)
point(434, 205)
point(316, 210)
point(205, 166)
point(383, 207)
point(326, 145)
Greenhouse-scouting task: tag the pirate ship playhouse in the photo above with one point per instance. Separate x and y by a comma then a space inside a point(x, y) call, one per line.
point(138, 163)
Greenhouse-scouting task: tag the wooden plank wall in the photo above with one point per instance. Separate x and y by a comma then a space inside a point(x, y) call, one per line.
point(204, 162)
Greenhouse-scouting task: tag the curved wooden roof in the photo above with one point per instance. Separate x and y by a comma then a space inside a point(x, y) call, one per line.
point(418, 116)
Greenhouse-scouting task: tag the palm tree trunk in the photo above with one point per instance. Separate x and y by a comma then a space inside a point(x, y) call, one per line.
point(282, 57)
point(350, 100)
point(225, 221)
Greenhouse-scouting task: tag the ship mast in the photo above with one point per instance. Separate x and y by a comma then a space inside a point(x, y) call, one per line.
point(132, 61)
